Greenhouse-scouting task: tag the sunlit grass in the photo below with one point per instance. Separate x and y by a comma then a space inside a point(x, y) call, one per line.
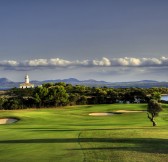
point(70, 134)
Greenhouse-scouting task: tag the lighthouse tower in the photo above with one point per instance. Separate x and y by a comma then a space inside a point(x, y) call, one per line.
point(27, 83)
point(27, 79)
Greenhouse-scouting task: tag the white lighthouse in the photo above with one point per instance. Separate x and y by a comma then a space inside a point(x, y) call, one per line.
point(26, 79)
point(27, 83)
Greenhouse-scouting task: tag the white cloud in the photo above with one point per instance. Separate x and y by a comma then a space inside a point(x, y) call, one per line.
point(164, 61)
point(58, 62)
point(151, 61)
point(104, 62)
point(9, 63)
point(121, 62)
point(37, 62)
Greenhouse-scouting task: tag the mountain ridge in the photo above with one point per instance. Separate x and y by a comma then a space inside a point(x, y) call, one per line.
point(7, 84)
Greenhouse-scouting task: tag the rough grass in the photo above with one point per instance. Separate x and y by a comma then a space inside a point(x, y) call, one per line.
point(70, 134)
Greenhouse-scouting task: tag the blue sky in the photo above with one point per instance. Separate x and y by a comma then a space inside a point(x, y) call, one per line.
point(111, 40)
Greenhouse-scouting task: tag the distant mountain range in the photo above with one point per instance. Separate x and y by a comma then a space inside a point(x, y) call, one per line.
point(7, 84)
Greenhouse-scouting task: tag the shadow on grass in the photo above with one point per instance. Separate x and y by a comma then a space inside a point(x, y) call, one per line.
point(152, 145)
point(71, 140)
point(142, 148)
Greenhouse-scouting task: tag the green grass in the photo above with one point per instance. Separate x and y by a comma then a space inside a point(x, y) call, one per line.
point(70, 135)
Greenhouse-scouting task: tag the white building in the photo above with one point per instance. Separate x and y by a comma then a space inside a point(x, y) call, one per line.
point(26, 84)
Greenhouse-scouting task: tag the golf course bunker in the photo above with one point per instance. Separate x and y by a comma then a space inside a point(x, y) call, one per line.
point(114, 113)
point(8, 120)
point(102, 114)
point(128, 111)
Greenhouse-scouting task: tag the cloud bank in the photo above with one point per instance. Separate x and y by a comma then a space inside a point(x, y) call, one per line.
point(104, 62)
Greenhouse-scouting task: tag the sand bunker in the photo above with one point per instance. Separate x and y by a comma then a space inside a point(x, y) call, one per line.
point(101, 114)
point(128, 111)
point(8, 120)
point(114, 113)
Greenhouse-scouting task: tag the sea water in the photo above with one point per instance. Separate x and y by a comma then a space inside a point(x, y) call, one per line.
point(164, 97)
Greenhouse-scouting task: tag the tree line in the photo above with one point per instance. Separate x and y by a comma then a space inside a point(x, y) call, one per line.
point(62, 94)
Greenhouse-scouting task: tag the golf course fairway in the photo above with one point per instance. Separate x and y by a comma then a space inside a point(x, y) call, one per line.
point(70, 134)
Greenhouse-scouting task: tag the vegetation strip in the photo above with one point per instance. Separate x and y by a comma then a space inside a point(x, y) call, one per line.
point(62, 94)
